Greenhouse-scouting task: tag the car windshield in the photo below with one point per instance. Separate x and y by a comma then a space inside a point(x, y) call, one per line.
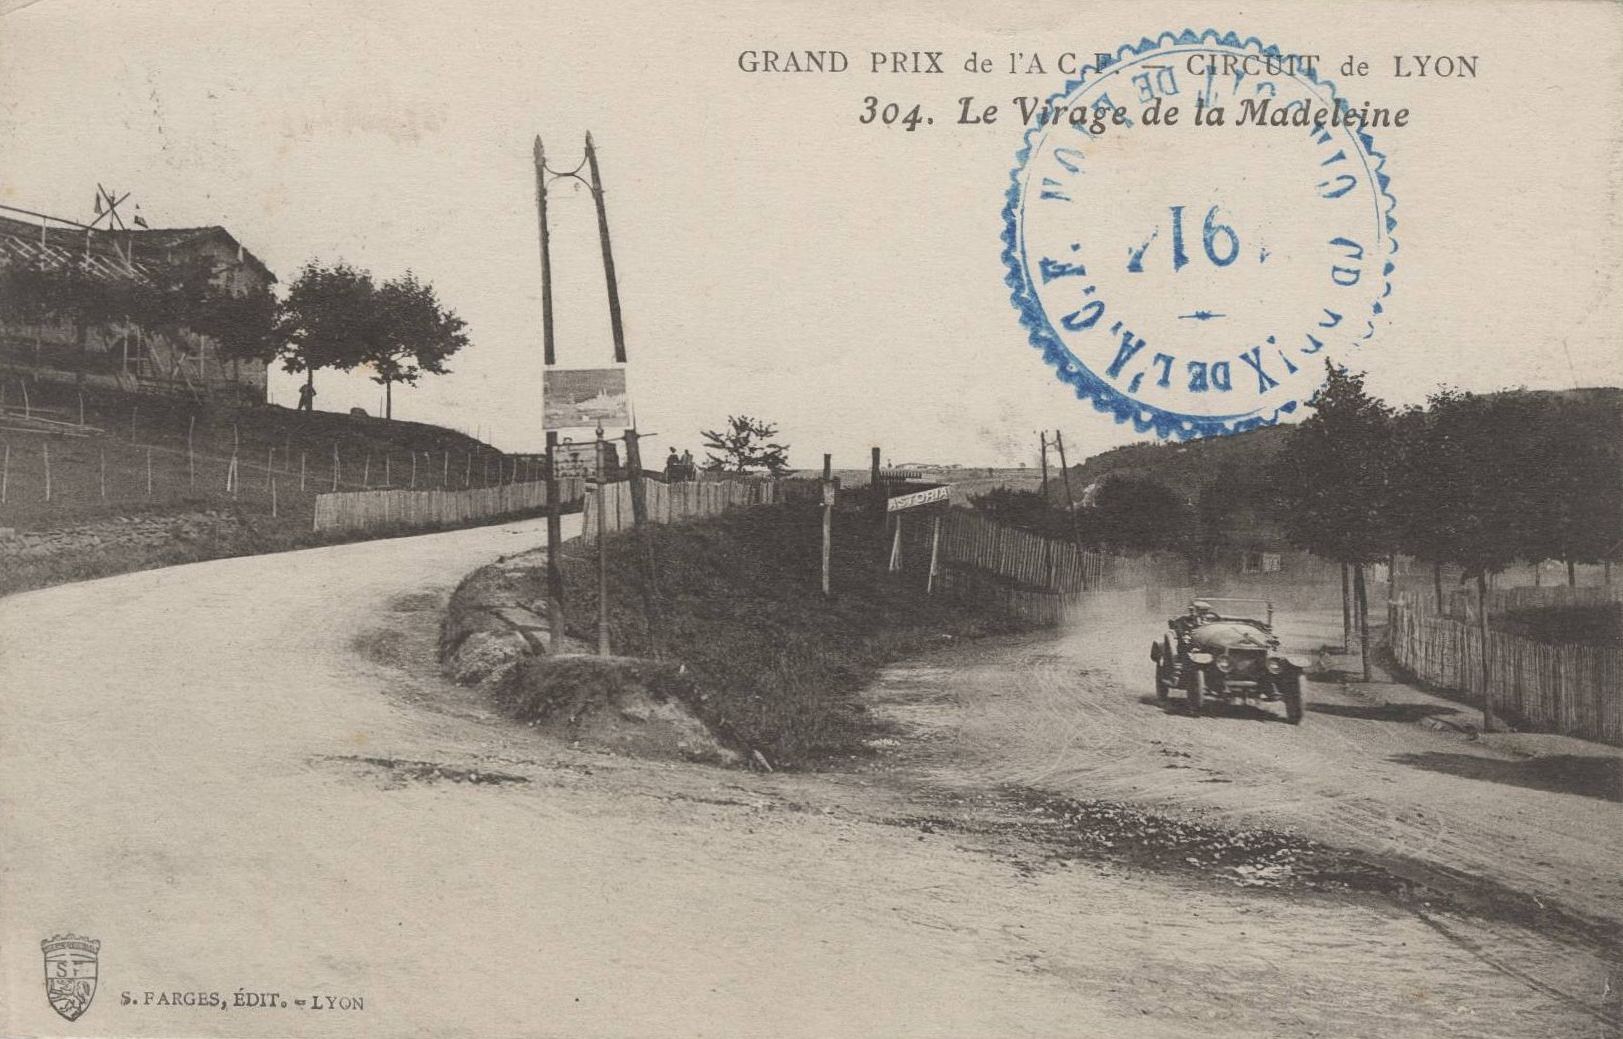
point(1246, 611)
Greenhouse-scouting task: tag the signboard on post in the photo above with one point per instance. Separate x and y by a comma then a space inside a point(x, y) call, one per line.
point(829, 492)
point(917, 498)
point(584, 398)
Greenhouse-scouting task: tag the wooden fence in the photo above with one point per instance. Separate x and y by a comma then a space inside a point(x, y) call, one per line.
point(1572, 689)
point(376, 510)
point(672, 502)
point(969, 539)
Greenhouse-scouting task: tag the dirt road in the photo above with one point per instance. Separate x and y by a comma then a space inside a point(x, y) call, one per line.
point(243, 777)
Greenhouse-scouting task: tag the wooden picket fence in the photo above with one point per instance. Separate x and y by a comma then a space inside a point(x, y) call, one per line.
point(387, 509)
point(969, 539)
point(672, 502)
point(1576, 690)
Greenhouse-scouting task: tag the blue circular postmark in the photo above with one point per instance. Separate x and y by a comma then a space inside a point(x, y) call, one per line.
point(1190, 264)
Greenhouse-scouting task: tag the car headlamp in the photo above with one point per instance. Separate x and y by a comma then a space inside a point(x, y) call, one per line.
point(1275, 665)
point(1224, 664)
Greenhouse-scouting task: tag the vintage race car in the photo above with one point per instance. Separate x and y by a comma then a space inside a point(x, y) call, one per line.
point(1221, 649)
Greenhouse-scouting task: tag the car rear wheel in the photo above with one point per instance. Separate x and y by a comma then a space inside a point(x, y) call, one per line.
point(1197, 690)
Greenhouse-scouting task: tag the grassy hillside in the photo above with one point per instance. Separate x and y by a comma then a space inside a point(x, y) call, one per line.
point(106, 473)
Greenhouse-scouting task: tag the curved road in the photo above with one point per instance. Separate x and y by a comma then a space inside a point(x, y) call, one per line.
point(242, 777)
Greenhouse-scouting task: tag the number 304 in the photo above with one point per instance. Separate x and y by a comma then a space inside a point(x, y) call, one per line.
point(890, 114)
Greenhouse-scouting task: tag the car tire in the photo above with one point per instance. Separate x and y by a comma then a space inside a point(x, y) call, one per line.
point(1292, 695)
point(1197, 691)
point(1162, 689)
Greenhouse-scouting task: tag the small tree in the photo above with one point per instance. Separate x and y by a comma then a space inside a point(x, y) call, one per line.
point(1334, 481)
point(327, 318)
point(745, 446)
point(417, 336)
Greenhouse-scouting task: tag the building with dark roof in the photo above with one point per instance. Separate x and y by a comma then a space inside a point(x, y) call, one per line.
point(128, 356)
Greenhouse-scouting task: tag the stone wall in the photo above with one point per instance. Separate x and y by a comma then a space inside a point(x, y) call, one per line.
point(117, 532)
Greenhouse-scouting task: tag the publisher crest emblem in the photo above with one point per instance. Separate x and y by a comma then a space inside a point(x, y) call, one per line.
point(70, 973)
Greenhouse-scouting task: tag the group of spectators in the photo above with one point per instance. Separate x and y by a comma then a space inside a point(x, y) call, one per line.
point(680, 468)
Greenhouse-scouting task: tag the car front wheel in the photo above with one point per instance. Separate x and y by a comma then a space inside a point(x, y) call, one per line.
point(1291, 693)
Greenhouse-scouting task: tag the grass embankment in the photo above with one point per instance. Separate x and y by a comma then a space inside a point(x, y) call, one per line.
point(102, 475)
point(739, 603)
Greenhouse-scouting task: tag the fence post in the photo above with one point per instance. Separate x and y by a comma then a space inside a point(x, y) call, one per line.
point(935, 550)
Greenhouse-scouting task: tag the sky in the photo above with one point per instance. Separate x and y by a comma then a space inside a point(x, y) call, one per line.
point(777, 258)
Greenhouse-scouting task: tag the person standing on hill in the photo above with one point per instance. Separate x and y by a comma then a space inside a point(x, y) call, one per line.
point(307, 397)
point(689, 471)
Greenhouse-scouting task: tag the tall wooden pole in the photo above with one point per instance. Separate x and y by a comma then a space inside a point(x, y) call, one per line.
point(935, 554)
point(549, 356)
point(828, 516)
point(602, 554)
point(1070, 502)
point(877, 490)
point(608, 256)
point(1042, 439)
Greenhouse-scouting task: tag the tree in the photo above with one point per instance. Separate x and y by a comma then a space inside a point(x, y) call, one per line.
point(74, 293)
point(746, 445)
point(338, 317)
point(330, 319)
point(1574, 496)
point(247, 326)
point(1026, 510)
point(417, 335)
point(1334, 481)
point(1140, 514)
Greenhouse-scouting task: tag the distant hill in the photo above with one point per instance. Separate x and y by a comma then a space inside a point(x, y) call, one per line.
point(1184, 466)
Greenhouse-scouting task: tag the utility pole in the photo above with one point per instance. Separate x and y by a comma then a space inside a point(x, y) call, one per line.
point(877, 490)
point(1042, 439)
point(828, 515)
point(1070, 502)
point(602, 553)
point(608, 256)
point(555, 538)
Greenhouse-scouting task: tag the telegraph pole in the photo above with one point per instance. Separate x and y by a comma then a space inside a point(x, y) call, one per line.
point(555, 538)
point(1042, 439)
point(608, 256)
point(1070, 502)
